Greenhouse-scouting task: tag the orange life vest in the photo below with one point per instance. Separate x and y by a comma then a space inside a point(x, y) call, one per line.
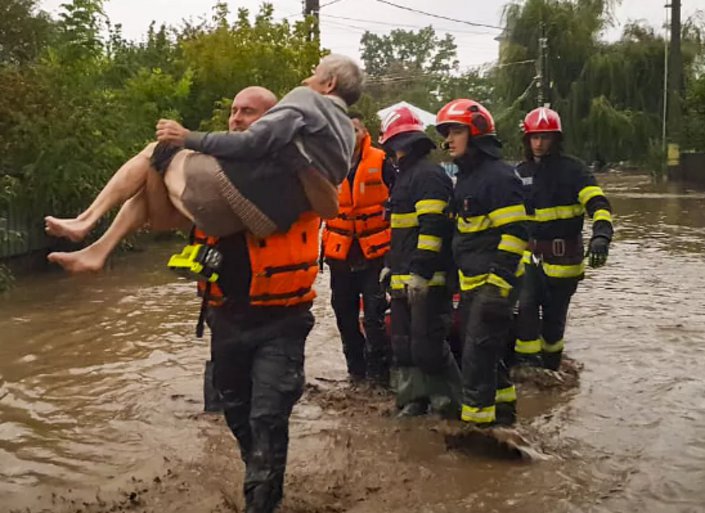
point(361, 210)
point(285, 265)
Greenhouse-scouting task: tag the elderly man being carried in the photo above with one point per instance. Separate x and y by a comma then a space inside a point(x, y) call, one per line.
point(261, 180)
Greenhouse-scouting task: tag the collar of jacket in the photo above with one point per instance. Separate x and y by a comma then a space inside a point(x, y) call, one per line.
point(545, 161)
point(338, 101)
point(471, 160)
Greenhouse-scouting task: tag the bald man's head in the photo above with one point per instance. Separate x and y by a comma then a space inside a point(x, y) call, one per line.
point(249, 105)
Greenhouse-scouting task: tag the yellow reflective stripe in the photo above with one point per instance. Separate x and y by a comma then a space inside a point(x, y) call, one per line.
point(602, 215)
point(527, 346)
point(556, 347)
point(398, 281)
point(471, 282)
point(543, 215)
point(512, 244)
point(430, 243)
point(507, 215)
point(564, 271)
point(521, 269)
point(404, 220)
point(478, 415)
point(473, 224)
point(506, 395)
point(430, 206)
point(589, 192)
point(526, 257)
point(499, 282)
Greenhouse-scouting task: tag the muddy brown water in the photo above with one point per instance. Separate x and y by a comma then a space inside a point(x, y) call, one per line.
point(100, 396)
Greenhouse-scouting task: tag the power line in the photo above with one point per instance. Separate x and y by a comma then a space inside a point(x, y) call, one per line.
point(390, 24)
point(330, 3)
point(471, 23)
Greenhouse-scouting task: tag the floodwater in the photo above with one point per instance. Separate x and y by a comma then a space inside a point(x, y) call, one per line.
point(101, 385)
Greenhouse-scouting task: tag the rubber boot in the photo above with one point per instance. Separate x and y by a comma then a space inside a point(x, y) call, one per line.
point(506, 413)
point(212, 400)
point(414, 409)
point(527, 360)
point(552, 361)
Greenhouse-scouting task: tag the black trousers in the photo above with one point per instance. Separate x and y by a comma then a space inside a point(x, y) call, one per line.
point(543, 312)
point(259, 371)
point(426, 367)
point(368, 353)
point(486, 348)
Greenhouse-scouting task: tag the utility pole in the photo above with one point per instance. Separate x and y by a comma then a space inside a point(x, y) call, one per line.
point(541, 71)
point(311, 8)
point(675, 90)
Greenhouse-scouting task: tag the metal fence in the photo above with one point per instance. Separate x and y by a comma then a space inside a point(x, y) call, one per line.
point(21, 232)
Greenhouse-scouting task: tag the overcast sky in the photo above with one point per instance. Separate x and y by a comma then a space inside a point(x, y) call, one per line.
point(344, 21)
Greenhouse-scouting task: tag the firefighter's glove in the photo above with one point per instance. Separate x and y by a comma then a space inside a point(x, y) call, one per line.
point(598, 251)
point(493, 304)
point(416, 288)
point(385, 275)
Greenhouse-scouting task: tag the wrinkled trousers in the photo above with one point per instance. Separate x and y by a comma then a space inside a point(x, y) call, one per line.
point(259, 371)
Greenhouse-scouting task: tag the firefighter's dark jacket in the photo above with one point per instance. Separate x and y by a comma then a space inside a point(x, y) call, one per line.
point(559, 190)
point(491, 223)
point(421, 227)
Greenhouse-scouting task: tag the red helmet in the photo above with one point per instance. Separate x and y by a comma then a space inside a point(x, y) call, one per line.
point(542, 120)
point(399, 121)
point(465, 112)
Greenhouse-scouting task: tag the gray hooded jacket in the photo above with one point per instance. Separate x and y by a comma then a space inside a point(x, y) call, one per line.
point(317, 125)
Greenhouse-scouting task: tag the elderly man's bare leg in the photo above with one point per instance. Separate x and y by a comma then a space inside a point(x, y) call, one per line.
point(131, 217)
point(151, 205)
point(130, 178)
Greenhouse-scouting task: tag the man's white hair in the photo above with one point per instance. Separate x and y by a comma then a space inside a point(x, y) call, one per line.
point(348, 76)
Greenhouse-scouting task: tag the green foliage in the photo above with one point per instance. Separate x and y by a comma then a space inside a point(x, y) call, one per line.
point(609, 95)
point(75, 103)
point(409, 65)
point(227, 57)
point(24, 31)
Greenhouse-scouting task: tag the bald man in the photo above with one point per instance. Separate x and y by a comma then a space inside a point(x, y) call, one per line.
point(248, 106)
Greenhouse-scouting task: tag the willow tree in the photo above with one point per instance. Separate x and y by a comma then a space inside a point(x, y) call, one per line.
point(610, 95)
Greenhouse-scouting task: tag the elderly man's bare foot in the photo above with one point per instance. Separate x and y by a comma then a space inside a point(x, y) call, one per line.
point(86, 260)
point(72, 229)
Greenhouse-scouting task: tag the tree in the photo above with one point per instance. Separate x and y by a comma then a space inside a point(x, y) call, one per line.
point(227, 57)
point(409, 65)
point(24, 31)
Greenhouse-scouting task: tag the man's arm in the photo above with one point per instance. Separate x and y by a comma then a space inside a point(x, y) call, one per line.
point(595, 203)
point(432, 193)
point(269, 134)
point(509, 218)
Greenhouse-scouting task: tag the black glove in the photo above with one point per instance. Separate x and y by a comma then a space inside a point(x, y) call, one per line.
point(598, 250)
point(492, 306)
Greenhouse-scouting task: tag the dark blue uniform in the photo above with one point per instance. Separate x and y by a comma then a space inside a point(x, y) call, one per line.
point(489, 240)
point(420, 245)
point(559, 190)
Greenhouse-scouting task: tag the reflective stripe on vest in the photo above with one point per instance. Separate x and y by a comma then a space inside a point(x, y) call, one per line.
point(285, 265)
point(361, 211)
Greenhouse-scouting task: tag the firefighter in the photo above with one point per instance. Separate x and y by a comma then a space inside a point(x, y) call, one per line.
point(559, 190)
point(354, 245)
point(488, 241)
point(427, 378)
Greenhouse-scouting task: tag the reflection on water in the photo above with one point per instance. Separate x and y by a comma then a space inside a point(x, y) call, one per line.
point(99, 375)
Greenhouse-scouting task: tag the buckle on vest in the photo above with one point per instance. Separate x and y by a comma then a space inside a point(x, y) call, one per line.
point(558, 247)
